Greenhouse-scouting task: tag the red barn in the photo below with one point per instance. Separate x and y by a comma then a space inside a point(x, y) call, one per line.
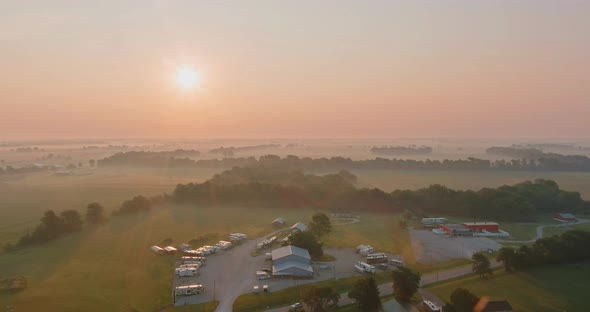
point(565, 217)
point(483, 226)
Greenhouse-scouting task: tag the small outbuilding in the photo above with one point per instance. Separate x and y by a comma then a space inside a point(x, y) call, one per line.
point(298, 227)
point(278, 222)
point(564, 217)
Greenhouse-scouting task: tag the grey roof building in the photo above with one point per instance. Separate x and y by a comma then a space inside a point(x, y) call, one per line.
point(291, 261)
point(298, 227)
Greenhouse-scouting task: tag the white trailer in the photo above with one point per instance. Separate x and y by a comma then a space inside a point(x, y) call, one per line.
point(189, 290)
point(186, 271)
point(157, 249)
point(364, 267)
point(376, 258)
point(189, 258)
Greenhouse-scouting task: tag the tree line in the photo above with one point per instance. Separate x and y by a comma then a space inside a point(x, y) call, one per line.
point(549, 162)
point(53, 225)
point(269, 187)
point(571, 246)
point(536, 159)
point(401, 150)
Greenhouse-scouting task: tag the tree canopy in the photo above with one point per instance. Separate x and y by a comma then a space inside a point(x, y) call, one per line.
point(320, 224)
point(321, 299)
point(366, 295)
point(307, 240)
point(481, 264)
point(405, 283)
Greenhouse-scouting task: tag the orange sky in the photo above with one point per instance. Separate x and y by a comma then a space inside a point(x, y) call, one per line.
point(105, 69)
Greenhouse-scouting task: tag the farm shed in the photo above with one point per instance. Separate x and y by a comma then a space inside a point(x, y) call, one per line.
point(483, 226)
point(564, 217)
point(291, 261)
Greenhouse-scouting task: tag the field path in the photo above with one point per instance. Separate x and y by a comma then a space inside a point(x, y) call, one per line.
point(540, 229)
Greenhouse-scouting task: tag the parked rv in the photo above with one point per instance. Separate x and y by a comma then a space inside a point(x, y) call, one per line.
point(363, 267)
point(157, 249)
point(376, 258)
point(183, 272)
point(396, 262)
point(189, 290)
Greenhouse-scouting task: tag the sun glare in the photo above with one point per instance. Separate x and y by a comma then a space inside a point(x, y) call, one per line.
point(187, 77)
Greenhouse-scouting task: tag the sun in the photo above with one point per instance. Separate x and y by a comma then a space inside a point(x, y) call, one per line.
point(187, 78)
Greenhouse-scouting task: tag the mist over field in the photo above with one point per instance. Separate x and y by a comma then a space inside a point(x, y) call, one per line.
point(292, 156)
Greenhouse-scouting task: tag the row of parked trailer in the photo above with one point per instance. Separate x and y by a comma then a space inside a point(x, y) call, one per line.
point(193, 259)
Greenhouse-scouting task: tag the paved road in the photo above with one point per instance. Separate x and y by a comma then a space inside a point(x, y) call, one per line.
point(427, 279)
point(540, 229)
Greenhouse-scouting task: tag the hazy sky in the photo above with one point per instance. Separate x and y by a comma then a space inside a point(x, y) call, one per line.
point(103, 69)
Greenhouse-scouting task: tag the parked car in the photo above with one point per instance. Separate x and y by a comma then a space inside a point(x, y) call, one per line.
point(296, 305)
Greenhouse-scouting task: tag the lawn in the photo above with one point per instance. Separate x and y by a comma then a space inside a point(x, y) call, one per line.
point(110, 267)
point(549, 231)
point(258, 302)
point(560, 288)
point(24, 198)
point(381, 231)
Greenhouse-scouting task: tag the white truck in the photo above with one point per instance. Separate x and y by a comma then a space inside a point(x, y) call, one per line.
point(363, 267)
point(189, 290)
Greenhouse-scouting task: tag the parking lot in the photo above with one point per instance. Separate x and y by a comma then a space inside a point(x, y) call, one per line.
point(228, 274)
point(431, 248)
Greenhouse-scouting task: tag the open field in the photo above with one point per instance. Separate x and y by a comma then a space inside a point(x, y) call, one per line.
point(378, 230)
point(549, 231)
point(563, 288)
point(389, 180)
point(110, 267)
point(24, 198)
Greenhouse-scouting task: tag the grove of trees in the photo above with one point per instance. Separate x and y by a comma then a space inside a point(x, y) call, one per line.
point(321, 299)
point(481, 265)
point(571, 246)
point(406, 283)
point(366, 295)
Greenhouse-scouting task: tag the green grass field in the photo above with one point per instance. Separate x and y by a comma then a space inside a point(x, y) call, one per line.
point(561, 288)
point(110, 267)
point(379, 230)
